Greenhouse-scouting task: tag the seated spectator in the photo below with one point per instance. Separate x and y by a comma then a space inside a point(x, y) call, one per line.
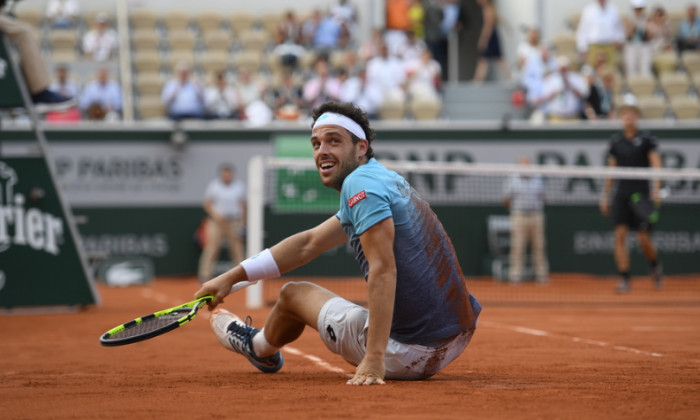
point(363, 94)
point(100, 43)
point(397, 23)
point(322, 87)
point(660, 29)
point(101, 99)
point(413, 48)
point(599, 103)
point(287, 98)
point(689, 30)
point(564, 91)
point(387, 72)
point(529, 48)
point(309, 28)
point(536, 70)
point(289, 29)
point(62, 85)
point(370, 48)
point(423, 75)
point(289, 54)
point(183, 96)
point(638, 48)
point(221, 99)
point(328, 33)
point(249, 90)
point(62, 13)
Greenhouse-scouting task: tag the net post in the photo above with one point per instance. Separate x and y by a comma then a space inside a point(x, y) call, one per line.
point(254, 226)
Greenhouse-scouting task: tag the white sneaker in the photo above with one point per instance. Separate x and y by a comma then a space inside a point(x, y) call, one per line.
point(237, 336)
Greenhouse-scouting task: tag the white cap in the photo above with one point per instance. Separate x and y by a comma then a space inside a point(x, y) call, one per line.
point(563, 61)
point(102, 17)
point(629, 101)
point(638, 4)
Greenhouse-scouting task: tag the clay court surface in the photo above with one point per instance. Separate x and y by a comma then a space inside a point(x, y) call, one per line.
point(618, 359)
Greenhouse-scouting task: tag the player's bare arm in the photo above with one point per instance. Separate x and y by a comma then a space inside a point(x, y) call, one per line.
point(655, 162)
point(289, 254)
point(607, 187)
point(378, 246)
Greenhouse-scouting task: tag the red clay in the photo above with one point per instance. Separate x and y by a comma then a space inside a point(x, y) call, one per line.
point(551, 362)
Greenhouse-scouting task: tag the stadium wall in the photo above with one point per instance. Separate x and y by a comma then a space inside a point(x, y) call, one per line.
point(141, 194)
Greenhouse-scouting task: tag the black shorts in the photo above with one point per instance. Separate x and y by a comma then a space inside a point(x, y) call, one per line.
point(623, 213)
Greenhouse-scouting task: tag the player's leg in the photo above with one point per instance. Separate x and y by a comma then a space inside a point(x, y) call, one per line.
point(298, 305)
point(622, 258)
point(652, 257)
point(212, 246)
point(517, 246)
point(234, 240)
point(35, 71)
point(538, 248)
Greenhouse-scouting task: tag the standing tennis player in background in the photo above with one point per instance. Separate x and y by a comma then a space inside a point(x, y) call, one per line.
point(420, 314)
point(632, 148)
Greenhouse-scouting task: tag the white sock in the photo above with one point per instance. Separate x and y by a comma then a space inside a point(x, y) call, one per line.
point(261, 347)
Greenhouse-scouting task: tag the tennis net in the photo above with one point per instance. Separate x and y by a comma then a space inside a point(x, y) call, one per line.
point(286, 196)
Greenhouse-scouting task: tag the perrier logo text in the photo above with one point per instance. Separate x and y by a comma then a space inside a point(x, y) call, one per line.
point(25, 226)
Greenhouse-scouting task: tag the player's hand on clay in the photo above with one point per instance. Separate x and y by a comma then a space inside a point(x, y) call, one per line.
point(369, 372)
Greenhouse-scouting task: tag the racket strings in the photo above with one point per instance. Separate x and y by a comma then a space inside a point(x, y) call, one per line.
point(150, 324)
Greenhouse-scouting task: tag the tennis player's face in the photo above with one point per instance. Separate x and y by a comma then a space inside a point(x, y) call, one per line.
point(335, 154)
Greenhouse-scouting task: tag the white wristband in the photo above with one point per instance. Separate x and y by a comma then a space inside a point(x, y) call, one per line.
point(261, 266)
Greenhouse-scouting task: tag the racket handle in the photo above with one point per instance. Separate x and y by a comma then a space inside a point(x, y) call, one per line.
point(241, 284)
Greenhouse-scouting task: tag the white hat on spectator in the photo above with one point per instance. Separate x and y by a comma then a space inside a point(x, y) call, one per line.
point(563, 62)
point(629, 101)
point(102, 17)
point(638, 4)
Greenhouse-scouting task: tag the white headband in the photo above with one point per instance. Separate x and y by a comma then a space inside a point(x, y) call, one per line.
point(331, 118)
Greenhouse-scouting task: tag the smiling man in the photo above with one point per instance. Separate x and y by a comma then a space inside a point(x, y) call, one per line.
point(420, 315)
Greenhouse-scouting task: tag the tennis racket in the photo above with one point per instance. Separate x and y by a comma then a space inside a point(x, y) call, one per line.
point(157, 323)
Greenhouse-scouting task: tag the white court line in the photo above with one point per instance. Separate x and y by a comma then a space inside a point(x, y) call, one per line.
point(542, 333)
point(317, 360)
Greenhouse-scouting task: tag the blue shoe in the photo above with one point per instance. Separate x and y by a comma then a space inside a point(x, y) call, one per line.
point(237, 336)
point(46, 101)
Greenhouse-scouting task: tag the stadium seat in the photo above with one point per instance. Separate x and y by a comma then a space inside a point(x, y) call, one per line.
point(150, 107)
point(685, 107)
point(573, 21)
point(176, 20)
point(181, 40)
point(652, 107)
point(675, 17)
point(143, 19)
point(63, 56)
point(146, 61)
point(695, 77)
point(270, 21)
point(249, 60)
point(241, 22)
point(425, 108)
point(33, 17)
point(177, 56)
point(63, 39)
point(254, 40)
point(691, 61)
point(565, 43)
point(217, 41)
point(208, 21)
point(641, 85)
point(149, 84)
point(393, 107)
point(213, 61)
point(144, 39)
point(665, 62)
point(674, 84)
point(90, 17)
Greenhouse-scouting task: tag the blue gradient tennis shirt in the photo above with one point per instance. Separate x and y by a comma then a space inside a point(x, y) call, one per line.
point(432, 302)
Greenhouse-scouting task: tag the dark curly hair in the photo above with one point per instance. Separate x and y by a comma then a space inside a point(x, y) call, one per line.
point(354, 113)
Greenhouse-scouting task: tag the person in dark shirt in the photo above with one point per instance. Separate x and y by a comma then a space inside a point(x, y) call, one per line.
point(632, 148)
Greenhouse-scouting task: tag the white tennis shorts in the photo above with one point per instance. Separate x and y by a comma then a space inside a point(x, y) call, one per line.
point(343, 328)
